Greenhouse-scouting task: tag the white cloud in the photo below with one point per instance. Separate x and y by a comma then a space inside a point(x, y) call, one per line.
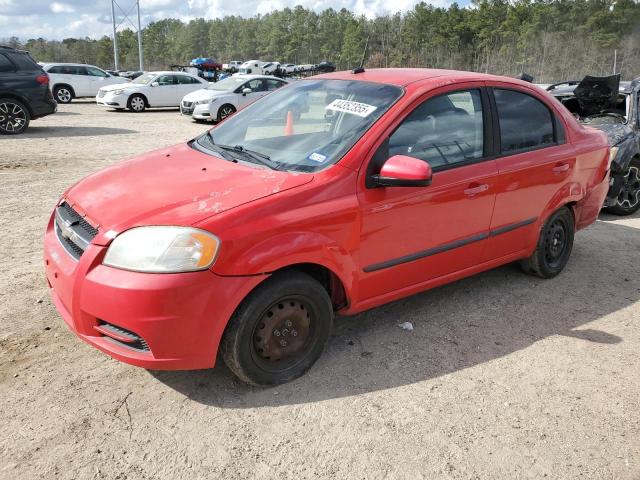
point(57, 7)
point(69, 18)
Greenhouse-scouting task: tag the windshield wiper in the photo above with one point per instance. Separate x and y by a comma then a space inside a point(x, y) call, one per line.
point(257, 157)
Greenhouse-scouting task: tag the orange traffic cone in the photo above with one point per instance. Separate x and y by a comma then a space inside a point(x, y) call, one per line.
point(288, 128)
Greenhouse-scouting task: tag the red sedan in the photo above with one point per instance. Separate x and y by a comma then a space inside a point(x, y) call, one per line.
point(337, 193)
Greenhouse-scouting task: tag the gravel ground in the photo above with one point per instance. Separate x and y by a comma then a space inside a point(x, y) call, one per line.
point(504, 375)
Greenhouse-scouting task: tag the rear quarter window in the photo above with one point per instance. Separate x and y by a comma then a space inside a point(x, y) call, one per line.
point(525, 122)
point(24, 62)
point(6, 65)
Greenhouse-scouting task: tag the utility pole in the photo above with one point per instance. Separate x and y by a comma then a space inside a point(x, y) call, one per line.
point(115, 37)
point(125, 14)
point(139, 38)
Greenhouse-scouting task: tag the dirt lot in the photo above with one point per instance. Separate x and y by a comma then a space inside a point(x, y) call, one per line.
point(504, 376)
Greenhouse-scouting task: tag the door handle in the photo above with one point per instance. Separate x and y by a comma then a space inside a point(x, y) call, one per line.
point(563, 167)
point(475, 189)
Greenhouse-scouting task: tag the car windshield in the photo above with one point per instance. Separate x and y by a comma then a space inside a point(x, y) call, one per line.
point(144, 79)
point(229, 83)
point(305, 126)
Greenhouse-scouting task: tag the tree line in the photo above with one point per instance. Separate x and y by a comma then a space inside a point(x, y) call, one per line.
point(552, 40)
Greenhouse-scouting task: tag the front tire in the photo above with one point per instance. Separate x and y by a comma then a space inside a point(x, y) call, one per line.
point(554, 246)
point(279, 330)
point(14, 116)
point(63, 94)
point(628, 201)
point(225, 111)
point(136, 103)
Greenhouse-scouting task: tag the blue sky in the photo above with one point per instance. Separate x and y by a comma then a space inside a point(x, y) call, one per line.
point(78, 18)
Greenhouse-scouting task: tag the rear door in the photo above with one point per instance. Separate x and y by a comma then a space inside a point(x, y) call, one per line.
point(535, 163)
point(82, 83)
point(188, 84)
point(410, 235)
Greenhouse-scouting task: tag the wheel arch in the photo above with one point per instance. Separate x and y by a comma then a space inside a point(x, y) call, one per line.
point(139, 94)
point(20, 99)
point(62, 84)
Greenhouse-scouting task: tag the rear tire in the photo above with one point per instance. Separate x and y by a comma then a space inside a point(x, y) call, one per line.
point(554, 246)
point(136, 103)
point(63, 94)
point(628, 201)
point(14, 116)
point(279, 331)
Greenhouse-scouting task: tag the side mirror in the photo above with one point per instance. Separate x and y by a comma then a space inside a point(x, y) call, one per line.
point(404, 171)
point(245, 91)
point(155, 84)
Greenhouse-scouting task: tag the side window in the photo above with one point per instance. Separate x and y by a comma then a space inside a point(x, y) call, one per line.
point(81, 71)
point(444, 130)
point(69, 70)
point(165, 80)
point(6, 65)
point(24, 62)
point(96, 72)
point(273, 84)
point(255, 85)
point(55, 69)
point(185, 80)
point(525, 122)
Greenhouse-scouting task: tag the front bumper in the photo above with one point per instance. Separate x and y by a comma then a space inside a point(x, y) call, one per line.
point(205, 111)
point(112, 101)
point(179, 318)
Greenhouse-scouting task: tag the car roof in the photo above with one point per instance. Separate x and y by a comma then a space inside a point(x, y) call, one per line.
point(405, 76)
point(46, 64)
point(249, 76)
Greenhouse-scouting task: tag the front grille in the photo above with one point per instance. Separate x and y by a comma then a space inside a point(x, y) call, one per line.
point(187, 104)
point(101, 93)
point(122, 336)
point(73, 230)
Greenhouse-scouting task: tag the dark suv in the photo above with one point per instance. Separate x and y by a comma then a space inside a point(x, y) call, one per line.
point(24, 91)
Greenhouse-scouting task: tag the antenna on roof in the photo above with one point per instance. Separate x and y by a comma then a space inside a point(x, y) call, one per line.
point(360, 68)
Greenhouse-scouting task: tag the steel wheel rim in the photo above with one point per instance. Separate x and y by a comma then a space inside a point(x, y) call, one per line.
point(225, 112)
point(137, 104)
point(555, 243)
point(64, 95)
point(629, 196)
point(12, 117)
point(284, 333)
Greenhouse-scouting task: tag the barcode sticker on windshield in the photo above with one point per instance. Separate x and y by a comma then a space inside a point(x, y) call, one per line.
point(347, 106)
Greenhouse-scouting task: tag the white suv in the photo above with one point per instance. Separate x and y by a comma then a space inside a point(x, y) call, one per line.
point(74, 80)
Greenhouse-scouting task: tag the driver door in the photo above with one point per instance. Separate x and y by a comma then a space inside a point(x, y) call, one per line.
point(257, 90)
point(166, 93)
point(411, 235)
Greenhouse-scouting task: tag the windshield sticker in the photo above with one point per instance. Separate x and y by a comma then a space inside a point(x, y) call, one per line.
point(347, 106)
point(317, 157)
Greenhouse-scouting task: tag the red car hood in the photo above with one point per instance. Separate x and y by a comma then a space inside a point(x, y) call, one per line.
point(173, 186)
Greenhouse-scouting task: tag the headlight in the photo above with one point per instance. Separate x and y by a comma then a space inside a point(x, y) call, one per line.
point(117, 92)
point(163, 250)
point(612, 155)
point(203, 102)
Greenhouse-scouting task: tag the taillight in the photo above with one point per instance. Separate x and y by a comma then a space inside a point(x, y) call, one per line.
point(43, 79)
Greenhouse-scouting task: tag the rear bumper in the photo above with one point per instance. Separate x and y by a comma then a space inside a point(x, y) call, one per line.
point(43, 108)
point(180, 317)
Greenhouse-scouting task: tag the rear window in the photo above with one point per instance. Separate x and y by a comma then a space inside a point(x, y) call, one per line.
point(6, 65)
point(24, 61)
